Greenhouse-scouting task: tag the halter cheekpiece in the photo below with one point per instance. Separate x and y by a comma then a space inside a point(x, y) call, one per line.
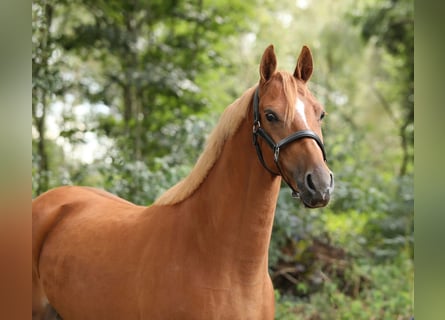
point(276, 147)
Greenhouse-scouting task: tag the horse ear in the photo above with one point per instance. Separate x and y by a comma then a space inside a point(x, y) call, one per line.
point(268, 64)
point(303, 70)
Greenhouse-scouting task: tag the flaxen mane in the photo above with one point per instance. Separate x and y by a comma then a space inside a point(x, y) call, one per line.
point(230, 121)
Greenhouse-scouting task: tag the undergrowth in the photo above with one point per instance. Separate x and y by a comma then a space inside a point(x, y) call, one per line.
point(387, 294)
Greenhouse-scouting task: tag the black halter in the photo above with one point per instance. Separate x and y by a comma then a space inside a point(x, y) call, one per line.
point(276, 147)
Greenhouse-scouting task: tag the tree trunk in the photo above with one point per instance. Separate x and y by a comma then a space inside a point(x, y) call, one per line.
point(40, 97)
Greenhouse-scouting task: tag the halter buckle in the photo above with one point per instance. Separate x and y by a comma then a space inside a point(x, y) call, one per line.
point(276, 153)
point(256, 126)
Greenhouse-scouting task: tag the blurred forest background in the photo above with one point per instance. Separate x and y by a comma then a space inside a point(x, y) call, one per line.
point(125, 93)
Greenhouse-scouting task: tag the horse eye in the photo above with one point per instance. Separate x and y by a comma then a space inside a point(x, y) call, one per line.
point(322, 115)
point(271, 117)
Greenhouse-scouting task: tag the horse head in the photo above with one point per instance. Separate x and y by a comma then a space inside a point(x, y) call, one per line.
point(288, 118)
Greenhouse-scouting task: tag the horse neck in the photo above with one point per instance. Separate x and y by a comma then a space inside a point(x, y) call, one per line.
point(234, 207)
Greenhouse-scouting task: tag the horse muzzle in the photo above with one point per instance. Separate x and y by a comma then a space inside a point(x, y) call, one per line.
point(315, 188)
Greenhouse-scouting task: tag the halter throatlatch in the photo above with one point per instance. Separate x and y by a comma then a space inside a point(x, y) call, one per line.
point(276, 147)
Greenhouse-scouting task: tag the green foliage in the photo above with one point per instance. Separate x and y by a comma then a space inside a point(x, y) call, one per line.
point(144, 181)
point(389, 25)
point(388, 296)
point(148, 56)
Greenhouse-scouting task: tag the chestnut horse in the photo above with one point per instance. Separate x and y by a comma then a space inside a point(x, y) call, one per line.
point(201, 250)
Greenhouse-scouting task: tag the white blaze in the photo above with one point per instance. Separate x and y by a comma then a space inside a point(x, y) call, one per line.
point(299, 106)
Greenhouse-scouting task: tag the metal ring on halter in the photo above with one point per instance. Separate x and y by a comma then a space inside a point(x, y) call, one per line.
point(256, 126)
point(276, 153)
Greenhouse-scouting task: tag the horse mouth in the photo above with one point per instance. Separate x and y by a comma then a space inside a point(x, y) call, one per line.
point(310, 202)
point(313, 206)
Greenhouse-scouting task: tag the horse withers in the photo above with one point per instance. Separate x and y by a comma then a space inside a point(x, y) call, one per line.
point(201, 250)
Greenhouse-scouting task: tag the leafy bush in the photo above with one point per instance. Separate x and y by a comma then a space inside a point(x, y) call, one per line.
point(389, 295)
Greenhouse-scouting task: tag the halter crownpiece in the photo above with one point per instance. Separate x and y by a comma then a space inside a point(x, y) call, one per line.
point(276, 147)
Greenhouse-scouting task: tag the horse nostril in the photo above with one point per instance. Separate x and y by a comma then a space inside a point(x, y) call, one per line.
point(332, 181)
point(309, 182)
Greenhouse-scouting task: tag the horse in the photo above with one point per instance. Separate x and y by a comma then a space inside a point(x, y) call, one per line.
point(200, 251)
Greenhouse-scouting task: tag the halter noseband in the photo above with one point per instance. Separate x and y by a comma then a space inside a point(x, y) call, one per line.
point(276, 147)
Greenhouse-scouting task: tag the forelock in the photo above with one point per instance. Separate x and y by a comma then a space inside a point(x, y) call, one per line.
point(291, 94)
